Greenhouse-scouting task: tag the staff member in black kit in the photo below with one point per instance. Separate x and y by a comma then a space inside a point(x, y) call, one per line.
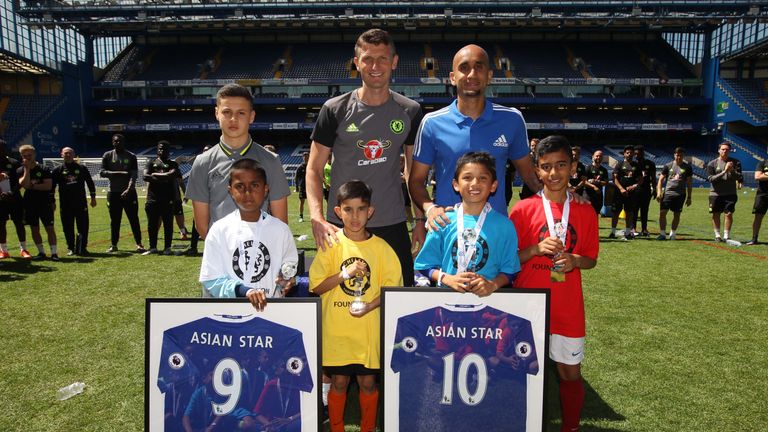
point(71, 178)
point(121, 168)
point(162, 176)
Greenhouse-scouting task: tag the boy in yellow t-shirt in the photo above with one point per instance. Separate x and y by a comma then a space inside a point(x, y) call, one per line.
point(348, 277)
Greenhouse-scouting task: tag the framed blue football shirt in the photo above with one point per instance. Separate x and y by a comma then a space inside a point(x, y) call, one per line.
point(223, 369)
point(463, 362)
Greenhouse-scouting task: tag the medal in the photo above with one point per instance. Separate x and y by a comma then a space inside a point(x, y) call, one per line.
point(467, 238)
point(559, 230)
point(469, 235)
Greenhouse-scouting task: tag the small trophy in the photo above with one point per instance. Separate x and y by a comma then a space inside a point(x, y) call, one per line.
point(555, 275)
point(357, 304)
point(287, 271)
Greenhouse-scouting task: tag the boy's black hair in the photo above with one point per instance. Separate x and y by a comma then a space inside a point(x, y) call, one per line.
point(679, 150)
point(234, 90)
point(553, 144)
point(482, 158)
point(640, 148)
point(629, 147)
point(251, 165)
point(354, 189)
point(118, 135)
point(164, 142)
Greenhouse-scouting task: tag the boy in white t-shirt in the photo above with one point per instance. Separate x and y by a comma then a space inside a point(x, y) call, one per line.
point(248, 251)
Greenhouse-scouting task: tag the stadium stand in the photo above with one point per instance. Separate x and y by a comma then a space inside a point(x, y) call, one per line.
point(175, 62)
point(753, 92)
point(22, 113)
point(248, 61)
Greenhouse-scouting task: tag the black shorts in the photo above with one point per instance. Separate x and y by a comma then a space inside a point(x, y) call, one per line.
point(761, 204)
point(38, 212)
point(628, 203)
point(161, 207)
point(11, 209)
point(672, 202)
point(723, 204)
point(398, 239)
point(349, 370)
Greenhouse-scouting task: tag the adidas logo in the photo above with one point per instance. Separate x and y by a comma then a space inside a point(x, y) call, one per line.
point(501, 141)
point(352, 128)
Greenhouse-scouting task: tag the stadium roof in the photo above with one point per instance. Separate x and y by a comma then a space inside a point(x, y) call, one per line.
point(131, 17)
point(11, 63)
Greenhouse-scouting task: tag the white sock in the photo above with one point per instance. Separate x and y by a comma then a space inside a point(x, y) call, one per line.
point(40, 248)
point(717, 233)
point(326, 389)
point(4, 247)
point(53, 250)
point(671, 232)
point(726, 234)
point(23, 245)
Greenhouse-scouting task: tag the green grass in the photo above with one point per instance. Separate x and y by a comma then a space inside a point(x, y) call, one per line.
point(675, 330)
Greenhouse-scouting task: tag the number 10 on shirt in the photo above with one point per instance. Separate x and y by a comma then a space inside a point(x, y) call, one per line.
point(461, 363)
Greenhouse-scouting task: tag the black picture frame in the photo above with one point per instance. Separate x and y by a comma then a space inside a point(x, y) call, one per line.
point(303, 314)
point(529, 304)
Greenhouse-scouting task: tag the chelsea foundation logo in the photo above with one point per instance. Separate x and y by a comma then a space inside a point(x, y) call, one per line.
point(251, 260)
point(397, 126)
point(363, 279)
point(479, 259)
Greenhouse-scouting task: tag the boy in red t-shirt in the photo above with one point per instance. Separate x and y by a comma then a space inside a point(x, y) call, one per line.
point(557, 238)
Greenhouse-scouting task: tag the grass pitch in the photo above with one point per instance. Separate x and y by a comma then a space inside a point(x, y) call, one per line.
point(675, 329)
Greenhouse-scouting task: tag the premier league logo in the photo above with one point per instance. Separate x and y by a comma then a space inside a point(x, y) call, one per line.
point(409, 344)
point(523, 349)
point(374, 149)
point(294, 365)
point(176, 361)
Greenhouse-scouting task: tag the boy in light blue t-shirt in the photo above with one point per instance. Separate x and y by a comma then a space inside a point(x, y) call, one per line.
point(477, 251)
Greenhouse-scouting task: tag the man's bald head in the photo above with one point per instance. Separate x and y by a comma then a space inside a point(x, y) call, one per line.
point(471, 73)
point(470, 51)
point(68, 154)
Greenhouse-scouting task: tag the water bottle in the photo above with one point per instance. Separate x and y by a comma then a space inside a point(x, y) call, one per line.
point(67, 392)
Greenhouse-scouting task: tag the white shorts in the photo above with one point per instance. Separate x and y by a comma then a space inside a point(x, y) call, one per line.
point(566, 350)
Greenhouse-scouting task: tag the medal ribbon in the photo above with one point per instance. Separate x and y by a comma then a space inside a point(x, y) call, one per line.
point(553, 231)
point(467, 248)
